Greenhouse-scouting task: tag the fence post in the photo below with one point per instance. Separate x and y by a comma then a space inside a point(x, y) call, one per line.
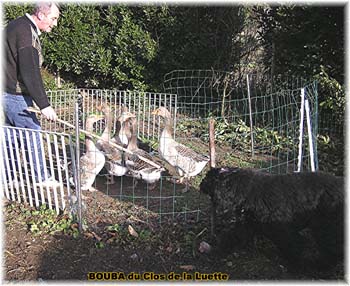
point(212, 142)
point(77, 169)
point(301, 130)
point(250, 117)
point(309, 132)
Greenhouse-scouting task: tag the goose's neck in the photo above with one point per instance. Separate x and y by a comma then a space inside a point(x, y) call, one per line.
point(108, 128)
point(133, 140)
point(168, 125)
point(89, 142)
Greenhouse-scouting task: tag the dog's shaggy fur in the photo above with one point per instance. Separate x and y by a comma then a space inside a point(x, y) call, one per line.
point(279, 207)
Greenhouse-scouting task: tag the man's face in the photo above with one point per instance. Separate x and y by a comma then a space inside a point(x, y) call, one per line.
point(48, 21)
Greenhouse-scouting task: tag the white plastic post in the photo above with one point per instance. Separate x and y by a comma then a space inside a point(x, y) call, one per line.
point(250, 119)
point(301, 129)
point(309, 132)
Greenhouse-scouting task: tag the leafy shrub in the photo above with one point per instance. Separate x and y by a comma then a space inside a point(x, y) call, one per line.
point(50, 82)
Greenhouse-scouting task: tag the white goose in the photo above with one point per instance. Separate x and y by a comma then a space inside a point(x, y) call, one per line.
point(92, 162)
point(138, 168)
point(115, 159)
point(186, 161)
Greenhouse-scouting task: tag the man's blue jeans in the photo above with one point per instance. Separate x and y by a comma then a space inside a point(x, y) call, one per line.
point(16, 115)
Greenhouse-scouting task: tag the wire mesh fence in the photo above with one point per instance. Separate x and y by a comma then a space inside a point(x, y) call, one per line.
point(259, 116)
point(258, 124)
point(167, 199)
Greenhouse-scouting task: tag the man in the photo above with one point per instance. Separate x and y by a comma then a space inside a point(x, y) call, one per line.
point(23, 82)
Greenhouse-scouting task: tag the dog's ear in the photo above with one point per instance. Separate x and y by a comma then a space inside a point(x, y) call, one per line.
point(209, 182)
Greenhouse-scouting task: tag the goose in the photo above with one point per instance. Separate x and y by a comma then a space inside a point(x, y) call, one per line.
point(93, 160)
point(123, 131)
point(186, 161)
point(115, 160)
point(138, 168)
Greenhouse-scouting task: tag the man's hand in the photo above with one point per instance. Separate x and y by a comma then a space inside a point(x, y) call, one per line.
point(49, 113)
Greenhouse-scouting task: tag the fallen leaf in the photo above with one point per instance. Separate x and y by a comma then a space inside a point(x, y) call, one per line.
point(110, 240)
point(98, 238)
point(108, 221)
point(132, 231)
point(204, 247)
point(88, 234)
point(10, 253)
point(187, 267)
point(74, 226)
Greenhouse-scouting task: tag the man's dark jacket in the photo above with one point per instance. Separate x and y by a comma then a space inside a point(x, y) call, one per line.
point(23, 60)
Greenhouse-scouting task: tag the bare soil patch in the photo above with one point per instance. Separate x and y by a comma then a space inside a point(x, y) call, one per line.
point(125, 237)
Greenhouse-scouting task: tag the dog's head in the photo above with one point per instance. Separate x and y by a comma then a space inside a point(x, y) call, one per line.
point(215, 178)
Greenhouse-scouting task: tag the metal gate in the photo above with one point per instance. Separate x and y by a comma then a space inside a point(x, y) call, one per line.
point(28, 158)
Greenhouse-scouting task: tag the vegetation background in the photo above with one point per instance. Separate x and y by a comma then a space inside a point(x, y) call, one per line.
point(132, 47)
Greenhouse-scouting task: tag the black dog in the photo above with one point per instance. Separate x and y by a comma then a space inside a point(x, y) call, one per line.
point(279, 207)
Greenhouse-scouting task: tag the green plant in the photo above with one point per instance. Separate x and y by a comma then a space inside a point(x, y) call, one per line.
point(145, 235)
point(332, 96)
point(100, 245)
point(153, 143)
point(45, 220)
point(114, 228)
point(331, 154)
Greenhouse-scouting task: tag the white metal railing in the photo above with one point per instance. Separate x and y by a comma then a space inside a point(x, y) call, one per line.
point(28, 158)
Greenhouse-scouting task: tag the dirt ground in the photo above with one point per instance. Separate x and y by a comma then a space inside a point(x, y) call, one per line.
point(127, 239)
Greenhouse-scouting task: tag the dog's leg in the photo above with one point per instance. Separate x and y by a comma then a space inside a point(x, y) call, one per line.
point(213, 219)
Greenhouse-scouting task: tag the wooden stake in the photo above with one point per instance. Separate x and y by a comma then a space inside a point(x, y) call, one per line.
point(212, 142)
point(212, 165)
